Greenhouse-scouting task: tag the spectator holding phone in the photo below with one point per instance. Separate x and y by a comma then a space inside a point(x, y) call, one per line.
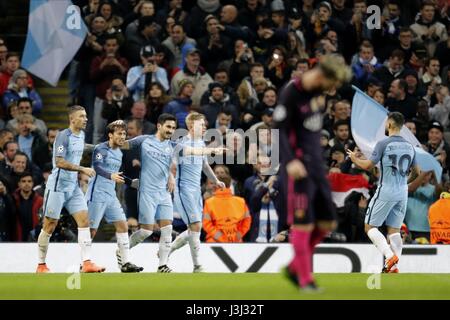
point(140, 77)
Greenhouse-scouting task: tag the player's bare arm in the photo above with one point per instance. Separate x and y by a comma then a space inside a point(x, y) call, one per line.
point(364, 164)
point(171, 183)
point(199, 151)
point(66, 165)
point(208, 171)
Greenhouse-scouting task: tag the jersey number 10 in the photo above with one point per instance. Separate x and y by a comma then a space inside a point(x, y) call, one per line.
point(399, 166)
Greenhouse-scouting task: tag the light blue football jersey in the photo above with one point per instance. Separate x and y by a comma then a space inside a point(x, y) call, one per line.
point(396, 156)
point(70, 147)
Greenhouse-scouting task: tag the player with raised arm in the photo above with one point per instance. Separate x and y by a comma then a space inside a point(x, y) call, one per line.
point(101, 195)
point(187, 195)
point(156, 183)
point(310, 208)
point(62, 190)
point(388, 205)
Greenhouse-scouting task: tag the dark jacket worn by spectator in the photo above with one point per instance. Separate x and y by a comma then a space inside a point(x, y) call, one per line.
point(27, 215)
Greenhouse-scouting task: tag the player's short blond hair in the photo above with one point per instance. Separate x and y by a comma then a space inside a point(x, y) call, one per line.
point(192, 117)
point(335, 68)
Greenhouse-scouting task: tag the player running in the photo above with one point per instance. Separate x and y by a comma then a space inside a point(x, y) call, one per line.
point(101, 195)
point(187, 195)
point(309, 204)
point(156, 184)
point(388, 205)
point(62, 190)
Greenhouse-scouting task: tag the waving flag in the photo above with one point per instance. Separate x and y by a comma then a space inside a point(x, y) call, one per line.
point(368, 125)
point(55, 33)
point(342, 185)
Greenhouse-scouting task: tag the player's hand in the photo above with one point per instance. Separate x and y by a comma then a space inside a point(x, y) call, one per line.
point(219, 150)
point(220, 184)
point(171, 184)
point(296, 170)
point(88, 171)
point(135, 183)
point(117, 177)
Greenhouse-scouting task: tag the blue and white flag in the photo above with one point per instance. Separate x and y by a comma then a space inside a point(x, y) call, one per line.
point(55, 33)
point(368, 127)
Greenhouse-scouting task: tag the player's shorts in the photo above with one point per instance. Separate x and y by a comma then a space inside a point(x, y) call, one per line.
point(189, 204)
point(154, 206)
point(55, 201)
point(309, 200)
point(390, 212)
point(111, 210)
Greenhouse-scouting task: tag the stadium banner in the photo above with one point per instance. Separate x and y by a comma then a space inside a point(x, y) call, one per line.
point(227, 258)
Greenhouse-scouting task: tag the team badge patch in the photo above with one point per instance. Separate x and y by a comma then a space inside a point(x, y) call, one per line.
point(61, 149)
point(99, 156)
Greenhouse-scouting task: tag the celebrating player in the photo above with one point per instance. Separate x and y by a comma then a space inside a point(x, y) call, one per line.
point(388, 205)
point(309, 204)
point(187, 196)
point(62, 190)
point(156, 183)
point(101, 194)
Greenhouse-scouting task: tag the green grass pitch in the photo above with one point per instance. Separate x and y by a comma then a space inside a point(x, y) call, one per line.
point(217, 286)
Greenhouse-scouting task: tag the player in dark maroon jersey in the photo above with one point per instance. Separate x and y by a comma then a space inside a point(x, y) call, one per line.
point(310, 209)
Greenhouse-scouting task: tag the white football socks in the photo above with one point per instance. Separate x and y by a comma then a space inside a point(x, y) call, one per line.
point(194, 244)
point(396, 243)
point(164, 244)
point(123, 243)
point(180, 241)
point(43, 241)
point(139, 236)
point(85, 242)
point(380, 242)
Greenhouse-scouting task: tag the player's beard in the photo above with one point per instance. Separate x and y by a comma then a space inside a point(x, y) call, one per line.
point(386, 132)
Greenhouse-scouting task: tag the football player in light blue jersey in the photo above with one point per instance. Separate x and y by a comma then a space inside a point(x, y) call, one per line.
point(101, 194)
point(388, 205)
point(187, 195)
point(156, 183)
point(62, 190)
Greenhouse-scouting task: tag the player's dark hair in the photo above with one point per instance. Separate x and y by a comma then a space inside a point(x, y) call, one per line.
point(74, 109)
point(116, 125)
point(397, 118)
point(166, 117)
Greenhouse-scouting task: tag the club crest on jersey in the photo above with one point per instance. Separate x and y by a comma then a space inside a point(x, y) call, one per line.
point(313, 123)
point(99, 156)
point(167, 150)
point(61, 149)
